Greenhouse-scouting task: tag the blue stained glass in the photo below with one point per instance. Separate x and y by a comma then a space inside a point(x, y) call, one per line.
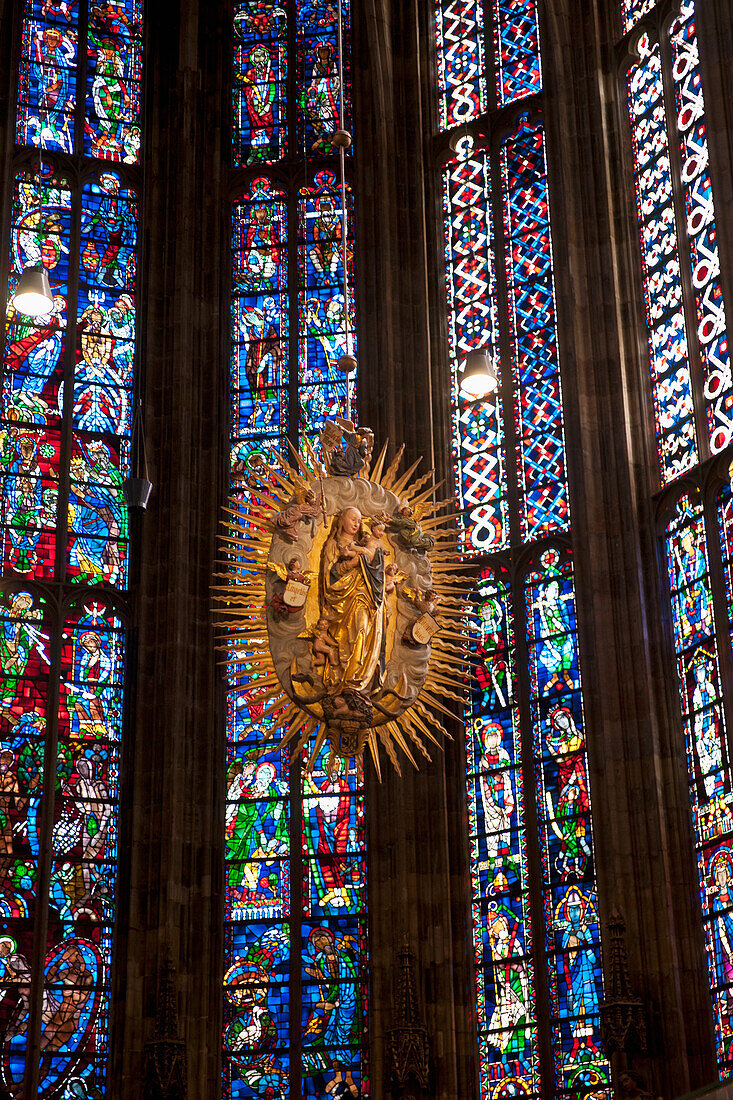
point(708, 761)
point(516, 50)
point(538, 411)
point(47, 75)
point(259, 134)
point(459, 41)
point(325, 332)
point(320, 92)
point(502, 928)
point(113, 83)
point(564, 802)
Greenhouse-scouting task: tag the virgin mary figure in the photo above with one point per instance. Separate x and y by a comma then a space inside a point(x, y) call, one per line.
point(352, 600)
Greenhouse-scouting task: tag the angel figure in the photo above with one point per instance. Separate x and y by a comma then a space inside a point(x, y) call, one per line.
point(296, 581)
point(325, 650)
point(295, 513)
point(359, 446)
point(408, 531)
point(426, 603)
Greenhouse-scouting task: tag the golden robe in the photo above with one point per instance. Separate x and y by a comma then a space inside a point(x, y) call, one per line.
point(354, 607)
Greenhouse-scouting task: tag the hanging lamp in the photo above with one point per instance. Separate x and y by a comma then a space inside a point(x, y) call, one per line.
point(478, 378)
point(33, 296)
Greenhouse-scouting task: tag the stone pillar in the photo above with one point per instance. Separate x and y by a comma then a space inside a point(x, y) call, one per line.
point(172, 857)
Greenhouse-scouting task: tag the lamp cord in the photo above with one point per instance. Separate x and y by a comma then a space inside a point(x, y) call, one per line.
point(344, 214)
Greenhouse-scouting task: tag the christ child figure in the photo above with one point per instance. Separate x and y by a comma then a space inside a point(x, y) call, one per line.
point(368, 545)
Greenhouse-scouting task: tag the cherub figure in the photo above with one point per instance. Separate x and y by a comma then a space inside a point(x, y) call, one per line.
point(368, 545)
point(359, 446)
point(324, 647)
point(295, 513)
point(408, 531)
point(425, 602)
point(390, 578)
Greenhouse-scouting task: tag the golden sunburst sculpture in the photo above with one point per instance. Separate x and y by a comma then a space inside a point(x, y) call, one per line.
point(341, 601)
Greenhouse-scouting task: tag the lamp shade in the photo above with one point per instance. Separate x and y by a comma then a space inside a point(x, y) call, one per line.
point(33, 296)
point(478, 378)
point(137, 492)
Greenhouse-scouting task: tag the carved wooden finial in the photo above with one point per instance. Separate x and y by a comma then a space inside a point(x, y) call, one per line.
point(408, 1043)
point(165, 1055)
point(623, 1027)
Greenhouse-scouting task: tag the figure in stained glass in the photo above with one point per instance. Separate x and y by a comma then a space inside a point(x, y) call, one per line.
point(325, 255)
point(249, 987)
point(74, 966)
point(329, 816)
point(31, 360)
point(492, 672)
point(320, 100)
point(329, 959)
point(260, 327)
point(17, 973)
point(259, 88)
point(706, 726)
point(110, 228)
point(573, 917)
point(262, 243)
point(569, 816)
point(556, 649)
point(51, 73)
point(497, 798)
point(97, 514)
point(25, 504)
point(103, 371)
point(257, 830)
point(511, 981)
point(110, 41)
point(720, 879)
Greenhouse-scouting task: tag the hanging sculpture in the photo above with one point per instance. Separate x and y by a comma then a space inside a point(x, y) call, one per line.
point(341, 599)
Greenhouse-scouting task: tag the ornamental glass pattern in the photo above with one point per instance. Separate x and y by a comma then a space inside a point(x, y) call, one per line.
point(633, 10)
point(66, 401)
point(478, 451)
point(516, 50)
point(528, 790)
point(537, 389)
point(462, 85)
point(295, 934)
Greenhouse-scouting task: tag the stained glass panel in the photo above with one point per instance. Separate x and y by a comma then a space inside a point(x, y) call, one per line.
point(47, 75)
point(538, 410)
point(260, 303)
point(113, 79)
point(516, 50)
point(668, 353)
point(702, 236)
point(564, 806)
point(478, 453)
point(323, 333)
point(259, 133)
point(459, 41)
point(633, 10)
point(320, 93)
point(711, 793)
point(501, 921)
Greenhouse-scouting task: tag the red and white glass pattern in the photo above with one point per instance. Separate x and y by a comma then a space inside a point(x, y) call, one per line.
point(516, 50)
point(460, 53)
point(478, 450)
point(668, 349)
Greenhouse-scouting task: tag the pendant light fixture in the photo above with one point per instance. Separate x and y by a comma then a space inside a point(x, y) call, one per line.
point(478, 377)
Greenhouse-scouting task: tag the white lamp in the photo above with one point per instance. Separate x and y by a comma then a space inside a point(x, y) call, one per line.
point(33, 296)
point(478, 378)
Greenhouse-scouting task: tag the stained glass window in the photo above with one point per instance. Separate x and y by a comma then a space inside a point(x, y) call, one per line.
point(459, 33)
point(516, 50)
point(295, 932)
point(633, 10)
point(693, 394)
point(512, 492)
point(66, 401)
point(478, 452)
point(533, 334)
